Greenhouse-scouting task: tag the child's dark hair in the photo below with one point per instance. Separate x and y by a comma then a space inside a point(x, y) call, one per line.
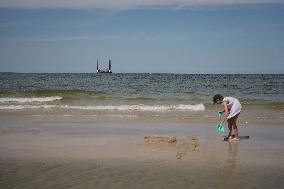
point(217, 97)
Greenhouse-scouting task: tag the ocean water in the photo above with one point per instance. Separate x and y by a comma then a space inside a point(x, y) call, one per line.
point(40, 151)
point(135, 92)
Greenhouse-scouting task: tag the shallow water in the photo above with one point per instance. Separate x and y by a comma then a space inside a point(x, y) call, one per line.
point(136, 174)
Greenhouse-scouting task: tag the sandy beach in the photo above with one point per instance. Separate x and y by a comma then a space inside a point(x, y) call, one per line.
point(49, 151)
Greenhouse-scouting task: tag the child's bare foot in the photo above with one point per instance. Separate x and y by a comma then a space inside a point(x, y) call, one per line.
point(227, 137)
point(234, 139)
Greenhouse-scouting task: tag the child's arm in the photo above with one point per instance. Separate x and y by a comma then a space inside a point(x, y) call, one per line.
point(226, 112)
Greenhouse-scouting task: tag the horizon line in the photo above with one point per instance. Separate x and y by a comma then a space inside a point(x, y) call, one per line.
point(125, 6)
point(7, 72)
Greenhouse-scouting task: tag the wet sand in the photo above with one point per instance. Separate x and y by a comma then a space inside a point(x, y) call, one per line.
point(87, 152)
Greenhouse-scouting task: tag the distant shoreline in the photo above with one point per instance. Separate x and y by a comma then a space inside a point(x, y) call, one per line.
point(144, 73)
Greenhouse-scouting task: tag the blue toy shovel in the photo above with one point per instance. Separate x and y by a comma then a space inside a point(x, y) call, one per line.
point(220, 127)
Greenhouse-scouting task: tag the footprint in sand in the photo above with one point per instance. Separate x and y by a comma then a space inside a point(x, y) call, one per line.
point(191, 145)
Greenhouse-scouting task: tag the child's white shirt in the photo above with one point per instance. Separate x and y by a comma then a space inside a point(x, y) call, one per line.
point(234, 106)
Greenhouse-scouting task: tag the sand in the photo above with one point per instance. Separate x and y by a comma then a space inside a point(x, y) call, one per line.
point(191, 145)
point(87, 152)
point(155, 139)
point(7, 130)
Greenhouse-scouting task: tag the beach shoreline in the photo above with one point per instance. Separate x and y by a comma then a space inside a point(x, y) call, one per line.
point(118, 130)
point(251, 114)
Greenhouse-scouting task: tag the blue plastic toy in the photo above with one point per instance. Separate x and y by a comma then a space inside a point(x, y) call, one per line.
point(220, 127)
point(219, 114)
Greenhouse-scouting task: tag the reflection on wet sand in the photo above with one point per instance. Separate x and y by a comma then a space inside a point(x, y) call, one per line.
point(228, 169)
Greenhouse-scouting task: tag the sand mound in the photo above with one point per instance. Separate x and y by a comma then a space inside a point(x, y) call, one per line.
point(191, 145)
point(159, 139)
point(7, 130)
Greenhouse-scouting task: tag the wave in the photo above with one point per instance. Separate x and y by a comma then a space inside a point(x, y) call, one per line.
point(21, 107)
point(159, 108)
point(141, 99)
point(197, 107)
point(50, 92)
point(29, 100)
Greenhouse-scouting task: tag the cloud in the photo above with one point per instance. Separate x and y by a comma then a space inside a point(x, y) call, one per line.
point(122, 4)
point(141, 36)
point(60, 39)
point(49, 39)
point(99, 37)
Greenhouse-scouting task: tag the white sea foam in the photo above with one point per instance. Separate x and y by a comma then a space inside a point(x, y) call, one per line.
point(29, 100)
point(21, 107)
point(198, 107)
point(154, 108)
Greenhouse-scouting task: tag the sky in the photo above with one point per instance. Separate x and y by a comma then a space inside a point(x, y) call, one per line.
point(142, 36)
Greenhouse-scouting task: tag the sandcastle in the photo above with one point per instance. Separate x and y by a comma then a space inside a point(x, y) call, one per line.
point(159, 139)
point(191, 145)
point(7, 130)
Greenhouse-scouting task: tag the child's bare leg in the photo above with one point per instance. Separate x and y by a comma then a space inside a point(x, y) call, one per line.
point(230, 127)
point(236, 131)
point(235, 127)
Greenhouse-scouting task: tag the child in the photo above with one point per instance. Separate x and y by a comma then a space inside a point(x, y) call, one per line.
point(232, 109)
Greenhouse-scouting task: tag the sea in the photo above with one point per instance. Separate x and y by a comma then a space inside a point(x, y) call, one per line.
point(87, 130)
point(136, 92)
